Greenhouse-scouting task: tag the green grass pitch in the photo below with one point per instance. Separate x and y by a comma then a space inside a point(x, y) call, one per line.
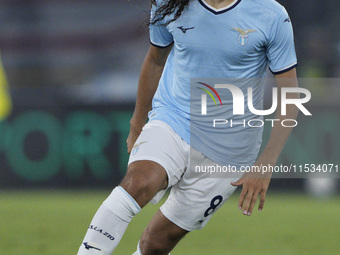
point(54, 223)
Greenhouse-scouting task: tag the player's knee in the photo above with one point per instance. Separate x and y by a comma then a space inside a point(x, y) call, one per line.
point(138, 187)
point(138, 183)
point(153, 246)
point(143, 184)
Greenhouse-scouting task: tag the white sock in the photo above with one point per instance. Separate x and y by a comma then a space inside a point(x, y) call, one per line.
point(138, 252)
point(109, 223)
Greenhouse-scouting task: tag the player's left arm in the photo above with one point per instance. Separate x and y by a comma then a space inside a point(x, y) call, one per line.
point(256, 184)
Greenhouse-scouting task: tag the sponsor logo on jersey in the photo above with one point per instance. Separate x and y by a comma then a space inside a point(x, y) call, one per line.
point(243, 35)
point(95, 228)
point(88, 247)
point(185, 29)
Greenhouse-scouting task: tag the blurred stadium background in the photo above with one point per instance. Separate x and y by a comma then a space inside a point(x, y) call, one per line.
point(72, 69)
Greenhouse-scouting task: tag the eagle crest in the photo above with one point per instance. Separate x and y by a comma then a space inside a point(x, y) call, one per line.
point(244, 32)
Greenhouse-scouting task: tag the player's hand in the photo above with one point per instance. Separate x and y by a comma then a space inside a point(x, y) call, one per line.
point(253, 184)
point(135, 130)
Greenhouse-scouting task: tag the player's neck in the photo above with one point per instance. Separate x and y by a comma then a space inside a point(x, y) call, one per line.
point(218, 4)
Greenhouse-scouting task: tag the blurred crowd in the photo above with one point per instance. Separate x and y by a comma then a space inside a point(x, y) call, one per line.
point(77, 42)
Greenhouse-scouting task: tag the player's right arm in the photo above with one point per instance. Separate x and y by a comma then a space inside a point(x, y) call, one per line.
point(151, 72)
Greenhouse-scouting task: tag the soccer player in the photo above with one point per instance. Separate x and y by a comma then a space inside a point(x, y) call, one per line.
point(195, 39)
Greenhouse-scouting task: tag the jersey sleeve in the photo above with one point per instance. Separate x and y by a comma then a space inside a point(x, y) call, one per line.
point(281, 50)
point(159, 34)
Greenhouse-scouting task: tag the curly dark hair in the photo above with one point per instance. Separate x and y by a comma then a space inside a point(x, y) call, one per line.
point(167, 8)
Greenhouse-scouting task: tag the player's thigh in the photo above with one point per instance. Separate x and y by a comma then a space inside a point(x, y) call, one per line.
point(197, 196)
point(158, 159)
point(160, 236)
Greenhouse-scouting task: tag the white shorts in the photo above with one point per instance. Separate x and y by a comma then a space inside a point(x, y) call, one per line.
point(195, 196)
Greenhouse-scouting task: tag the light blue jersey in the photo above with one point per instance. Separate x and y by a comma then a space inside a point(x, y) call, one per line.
point(238, 41)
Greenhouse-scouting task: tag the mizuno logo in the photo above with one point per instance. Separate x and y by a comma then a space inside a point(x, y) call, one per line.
point(184, 30)
point(287, 20)
point(87, 247)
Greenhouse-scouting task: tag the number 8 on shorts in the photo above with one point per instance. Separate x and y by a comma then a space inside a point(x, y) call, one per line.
point(213, 205)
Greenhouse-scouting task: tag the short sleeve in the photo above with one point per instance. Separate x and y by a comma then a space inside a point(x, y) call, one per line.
point(159, 34)
point(281, 50)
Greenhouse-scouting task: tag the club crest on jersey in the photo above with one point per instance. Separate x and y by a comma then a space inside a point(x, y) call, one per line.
point(135, 148)
point(243, 35)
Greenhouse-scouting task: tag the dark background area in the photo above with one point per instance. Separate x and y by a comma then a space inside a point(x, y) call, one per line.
point(77, 42)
